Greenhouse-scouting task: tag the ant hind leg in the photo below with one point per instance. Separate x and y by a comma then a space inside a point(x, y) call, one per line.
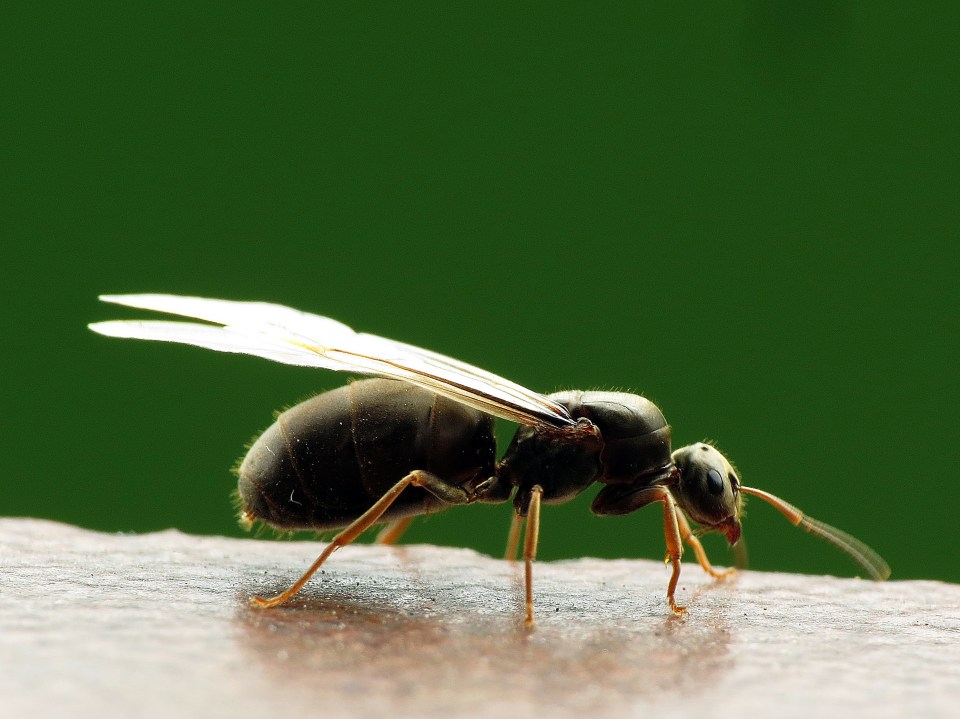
point(435, 485)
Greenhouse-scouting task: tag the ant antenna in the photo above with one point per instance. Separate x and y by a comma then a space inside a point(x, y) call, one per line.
point(861, 553)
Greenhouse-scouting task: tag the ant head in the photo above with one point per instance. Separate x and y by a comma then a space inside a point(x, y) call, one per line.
point(708, 490)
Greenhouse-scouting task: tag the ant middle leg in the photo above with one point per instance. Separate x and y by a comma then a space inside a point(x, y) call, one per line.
point(392, 531)
point(513, 537)
point(530, 540)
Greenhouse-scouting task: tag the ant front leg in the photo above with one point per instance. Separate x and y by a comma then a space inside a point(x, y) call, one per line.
point(687, 535)
point(618, 499)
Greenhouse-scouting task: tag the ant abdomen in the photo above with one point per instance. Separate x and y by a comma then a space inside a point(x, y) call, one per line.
point(325, 461)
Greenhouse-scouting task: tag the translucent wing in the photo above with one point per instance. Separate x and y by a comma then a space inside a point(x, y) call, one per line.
point(286, 335)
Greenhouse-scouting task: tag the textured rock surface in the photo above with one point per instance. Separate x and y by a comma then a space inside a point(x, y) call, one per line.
point(158, 625)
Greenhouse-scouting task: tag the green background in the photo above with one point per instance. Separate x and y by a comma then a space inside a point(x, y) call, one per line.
point(747, 211)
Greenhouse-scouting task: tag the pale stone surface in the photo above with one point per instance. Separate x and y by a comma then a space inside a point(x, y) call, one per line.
point(158, 625)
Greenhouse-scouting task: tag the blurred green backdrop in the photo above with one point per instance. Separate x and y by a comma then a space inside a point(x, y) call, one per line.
point(746, 211)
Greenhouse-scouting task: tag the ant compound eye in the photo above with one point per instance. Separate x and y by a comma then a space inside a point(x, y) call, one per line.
point(715, 482)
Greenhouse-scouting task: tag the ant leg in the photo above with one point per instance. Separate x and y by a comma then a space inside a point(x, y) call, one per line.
point(694, 543)
point(671, 533)
point(393, 530)
point(530, 546)
point(417, 478)
point(513, 538)
point(613, 499)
